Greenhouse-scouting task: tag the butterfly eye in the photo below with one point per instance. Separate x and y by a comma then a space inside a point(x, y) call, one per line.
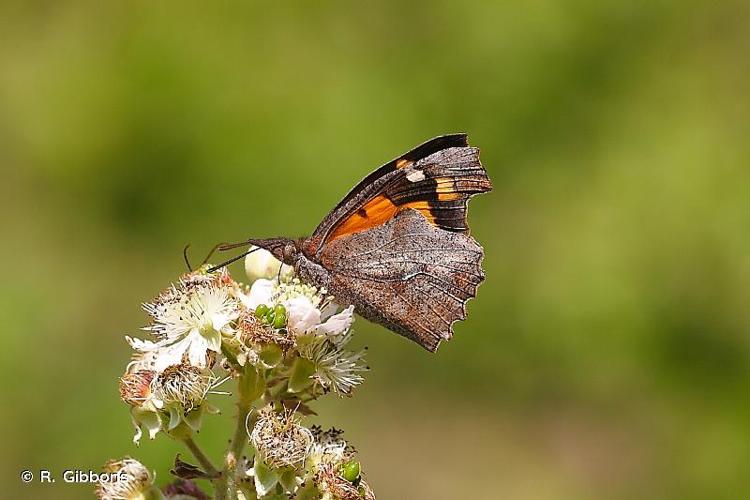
point(289, 252)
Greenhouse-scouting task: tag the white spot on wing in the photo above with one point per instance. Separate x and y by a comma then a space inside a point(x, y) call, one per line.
point(415, 176)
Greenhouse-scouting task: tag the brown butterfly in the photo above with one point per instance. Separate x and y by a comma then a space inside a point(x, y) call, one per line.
point(397, 246)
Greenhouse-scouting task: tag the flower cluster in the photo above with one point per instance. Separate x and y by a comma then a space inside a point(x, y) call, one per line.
point(286, 343)
point(308, 463)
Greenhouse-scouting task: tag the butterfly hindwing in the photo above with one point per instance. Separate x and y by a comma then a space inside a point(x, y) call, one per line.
point(407, 275)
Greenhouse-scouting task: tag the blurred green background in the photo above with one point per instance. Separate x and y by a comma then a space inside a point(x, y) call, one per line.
point(607, 353)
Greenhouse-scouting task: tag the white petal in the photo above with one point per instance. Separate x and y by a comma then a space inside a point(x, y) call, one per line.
point(328, 310)
point(338, 323)
point(197, 350)
point(213, 342)
point(260, 293)
point(219, 321)
point(301, 314)
point(141, 345)
point(171, 355)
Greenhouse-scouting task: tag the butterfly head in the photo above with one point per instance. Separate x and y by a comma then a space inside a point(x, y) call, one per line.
point(284, 249)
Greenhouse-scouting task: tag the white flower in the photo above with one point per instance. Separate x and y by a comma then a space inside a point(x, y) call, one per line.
point(328, 458)
point(329, 445)
point(126, 479)
point(280, 440)
point(301, 314)
point(163, 400)
point(184, 386)
point(260, 263)
point(335, 368)
point(261, 292)
point(180, 391)
point(189, 319)
point(295, 288)
point(338, 324)
point(307, 308)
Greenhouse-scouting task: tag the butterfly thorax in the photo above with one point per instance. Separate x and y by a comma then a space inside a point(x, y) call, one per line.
point(291, 253)
point(311, 272)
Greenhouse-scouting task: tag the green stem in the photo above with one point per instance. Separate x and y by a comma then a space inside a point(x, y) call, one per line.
point(200, 456)
point(250, 386)
point(218, 479)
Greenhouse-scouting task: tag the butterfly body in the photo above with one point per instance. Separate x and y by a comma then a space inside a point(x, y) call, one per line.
point(397, 246)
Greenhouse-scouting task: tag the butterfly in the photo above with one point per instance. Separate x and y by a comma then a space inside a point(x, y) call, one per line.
point(397, 247)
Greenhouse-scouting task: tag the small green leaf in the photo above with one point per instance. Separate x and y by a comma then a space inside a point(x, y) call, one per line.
point(300, 379)
point(308, 492)
point(265, 478)
point(271, 355)
point(174, 417)
point(193, 418)
point(287, 479)
point(252, 384)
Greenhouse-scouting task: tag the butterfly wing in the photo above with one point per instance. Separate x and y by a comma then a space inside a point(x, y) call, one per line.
point(436, 178)
point(407, 274)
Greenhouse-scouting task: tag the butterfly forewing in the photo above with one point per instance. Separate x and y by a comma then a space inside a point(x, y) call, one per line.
point(435, 178)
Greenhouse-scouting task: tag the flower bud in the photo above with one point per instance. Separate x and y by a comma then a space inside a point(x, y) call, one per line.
point(260, 263)
point(279, 317)
point(350, 470)
point(261, 311)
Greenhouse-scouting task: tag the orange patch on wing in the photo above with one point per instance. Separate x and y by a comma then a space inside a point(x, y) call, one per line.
point(446, 189)
point(403, 163)
point(374, 213)
point(423, 207)
point(448, 196)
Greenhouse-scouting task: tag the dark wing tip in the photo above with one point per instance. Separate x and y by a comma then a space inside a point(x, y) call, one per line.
point(436, 144)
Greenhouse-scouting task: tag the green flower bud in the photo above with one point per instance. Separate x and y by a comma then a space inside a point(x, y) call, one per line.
point(350, 471)
point(279, 320)
point(261, 311)
point(269, 316)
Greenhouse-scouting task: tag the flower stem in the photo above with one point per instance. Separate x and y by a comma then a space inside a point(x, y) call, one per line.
point(250, 386)
point(201, 457)
point(219, 480)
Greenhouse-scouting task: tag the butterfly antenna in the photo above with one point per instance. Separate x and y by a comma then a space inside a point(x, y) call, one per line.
point(211, 252)
point(223, 247)
point(233, 259)
point(185, 256)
